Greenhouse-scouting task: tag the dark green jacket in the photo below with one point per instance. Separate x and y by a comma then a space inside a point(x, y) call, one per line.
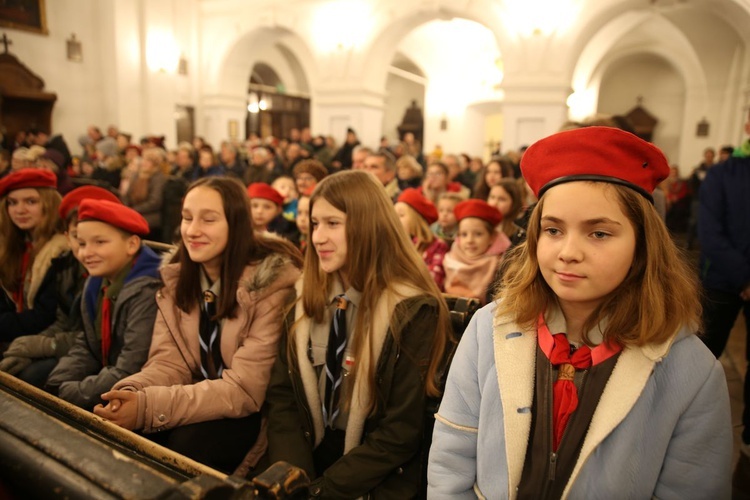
point(387, 463)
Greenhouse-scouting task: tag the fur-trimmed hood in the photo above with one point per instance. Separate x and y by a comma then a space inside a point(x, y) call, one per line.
point(272, 273)
point(662, 422)
point(361, 395)
point(42, 262)
point(170, 384)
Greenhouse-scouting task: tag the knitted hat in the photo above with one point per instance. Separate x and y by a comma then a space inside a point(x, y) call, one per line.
point(312, 167)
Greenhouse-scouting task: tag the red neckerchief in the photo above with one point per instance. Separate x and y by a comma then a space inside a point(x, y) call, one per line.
point(18, 296)
point(107, 320)
point(106, 326)
point(564, 392)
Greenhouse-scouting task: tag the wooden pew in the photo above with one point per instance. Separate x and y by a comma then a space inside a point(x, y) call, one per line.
point(52, 449)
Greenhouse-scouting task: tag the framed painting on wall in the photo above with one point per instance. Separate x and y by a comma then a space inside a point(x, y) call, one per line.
point(27, 15)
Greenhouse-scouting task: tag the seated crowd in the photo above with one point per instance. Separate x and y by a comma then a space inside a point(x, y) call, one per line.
point(208, 301)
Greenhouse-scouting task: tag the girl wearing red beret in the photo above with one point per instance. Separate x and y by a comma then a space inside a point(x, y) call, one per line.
point(361, 349)
point(216, 334)
point(472, 261)
point(416, 214)
point(30, 237)
point(585, 379)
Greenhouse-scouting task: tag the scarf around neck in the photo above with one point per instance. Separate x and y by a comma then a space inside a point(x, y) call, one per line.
point(471, 276)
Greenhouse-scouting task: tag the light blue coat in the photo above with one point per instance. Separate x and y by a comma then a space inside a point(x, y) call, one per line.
point(662, 427)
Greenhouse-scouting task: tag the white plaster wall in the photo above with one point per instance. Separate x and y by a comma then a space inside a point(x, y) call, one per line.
point(525, 122)
point(112, 85)
point(458, 59)
point(347, 84)
point(365, 120)
point(80, 96)
point(400, 92)
point(287, 69)
point(663, 92)
point(164, 89)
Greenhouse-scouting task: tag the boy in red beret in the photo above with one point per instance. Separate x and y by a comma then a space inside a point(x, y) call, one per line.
point(472, 261)
point(32, 357)
point(118, 306)
point(265, 205)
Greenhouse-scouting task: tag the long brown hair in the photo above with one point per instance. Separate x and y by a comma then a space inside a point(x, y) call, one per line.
point(659, 295)
point(243, 248)
point(513, 189)
point(13, 240)
point(481, 188)
point(380, 256)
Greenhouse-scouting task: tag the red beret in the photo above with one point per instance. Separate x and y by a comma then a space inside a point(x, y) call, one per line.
point(28, 178)
point(115, 214)
point(479, 209)
point(418, 202)
point(263, 190)
point(75, 197)
point(602, 154)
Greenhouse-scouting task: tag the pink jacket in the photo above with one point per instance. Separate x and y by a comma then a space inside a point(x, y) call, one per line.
point(172, 392)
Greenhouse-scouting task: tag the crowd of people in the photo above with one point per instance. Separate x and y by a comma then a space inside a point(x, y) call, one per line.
point(286, 300)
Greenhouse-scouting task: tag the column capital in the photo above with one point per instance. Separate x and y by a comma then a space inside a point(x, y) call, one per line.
point(345, 95)
point(224, 101)
point(535, 91)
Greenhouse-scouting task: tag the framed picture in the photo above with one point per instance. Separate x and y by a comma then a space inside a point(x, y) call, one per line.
point(27, 15)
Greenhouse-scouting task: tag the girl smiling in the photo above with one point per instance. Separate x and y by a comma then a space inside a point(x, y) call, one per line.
point(216, 333)
point(362, 349)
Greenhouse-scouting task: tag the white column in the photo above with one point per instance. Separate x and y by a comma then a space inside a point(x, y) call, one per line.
point(139, 62)
point(221, 115)
point(335, 109)
point(532, 112)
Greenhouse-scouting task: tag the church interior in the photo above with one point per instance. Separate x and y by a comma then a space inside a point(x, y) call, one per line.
point(482, 72)
point(480, 76)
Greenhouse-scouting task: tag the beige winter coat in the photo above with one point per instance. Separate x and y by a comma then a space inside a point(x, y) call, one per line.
point(172, 391)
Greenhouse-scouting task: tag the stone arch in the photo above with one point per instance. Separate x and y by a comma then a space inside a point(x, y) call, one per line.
point(232, 48)
point(228, 72)
point(377, 56)
point(265, 74)
point(674, 47)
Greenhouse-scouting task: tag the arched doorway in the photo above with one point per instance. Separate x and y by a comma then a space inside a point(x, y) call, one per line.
point(405, 87)
point(462, 67)
point(276, 60)
point(271, 110)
